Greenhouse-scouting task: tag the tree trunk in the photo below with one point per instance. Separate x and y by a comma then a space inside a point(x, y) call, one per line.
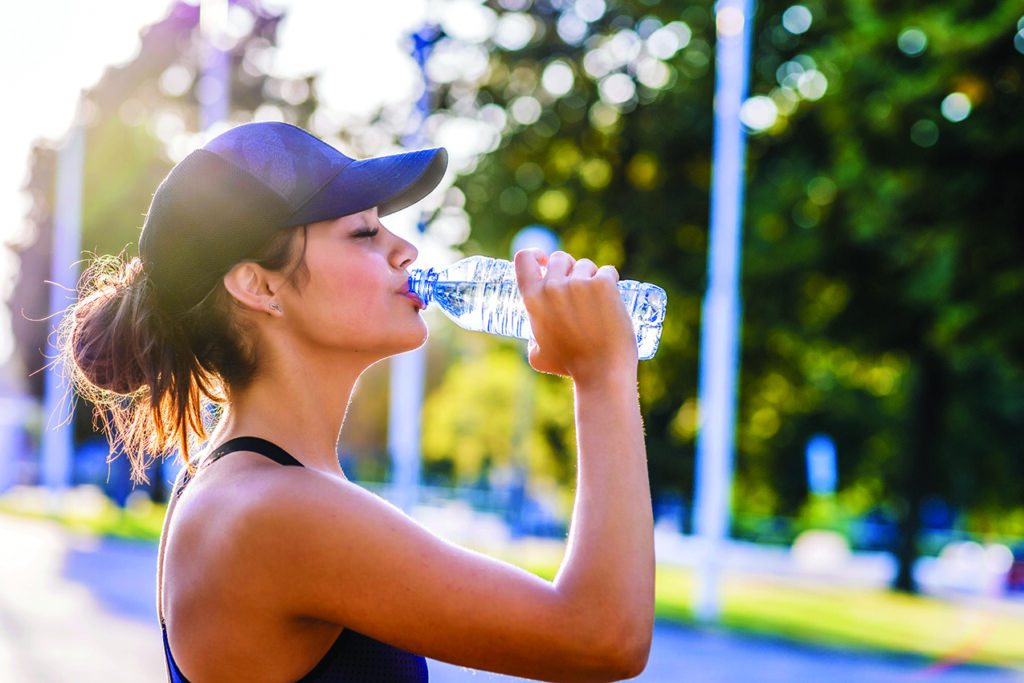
point(924, 430)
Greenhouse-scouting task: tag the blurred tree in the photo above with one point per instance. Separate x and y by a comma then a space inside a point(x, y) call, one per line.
point(892, 155)
point(525, 421)
point(881, 257)
point(140, 118)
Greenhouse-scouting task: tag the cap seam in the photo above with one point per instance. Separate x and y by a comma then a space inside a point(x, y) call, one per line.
point(316, 192)
point(246, 171)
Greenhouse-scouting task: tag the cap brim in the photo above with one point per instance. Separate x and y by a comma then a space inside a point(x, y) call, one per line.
point(390, 183)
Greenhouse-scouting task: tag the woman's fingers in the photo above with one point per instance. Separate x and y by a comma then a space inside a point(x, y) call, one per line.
point(583, 269)
point(579, 322)
point(560, 265)
point(530, 270)
point(609, 272)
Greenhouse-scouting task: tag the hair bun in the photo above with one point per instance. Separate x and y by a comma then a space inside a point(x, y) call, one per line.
point(109, 341)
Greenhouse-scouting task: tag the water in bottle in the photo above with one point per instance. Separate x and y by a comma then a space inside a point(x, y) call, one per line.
point(481, 294)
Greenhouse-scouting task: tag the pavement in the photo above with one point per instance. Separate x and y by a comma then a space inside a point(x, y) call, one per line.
point(78, 608)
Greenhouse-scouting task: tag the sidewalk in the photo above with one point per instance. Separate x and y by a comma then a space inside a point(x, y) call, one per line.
point(75, 608)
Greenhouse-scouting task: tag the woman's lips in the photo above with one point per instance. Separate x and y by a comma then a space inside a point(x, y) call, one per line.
point(411, 295)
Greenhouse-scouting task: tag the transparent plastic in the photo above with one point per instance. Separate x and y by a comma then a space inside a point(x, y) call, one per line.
point(481, 294)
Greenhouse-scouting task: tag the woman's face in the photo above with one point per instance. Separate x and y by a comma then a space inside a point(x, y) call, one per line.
point(355, 297)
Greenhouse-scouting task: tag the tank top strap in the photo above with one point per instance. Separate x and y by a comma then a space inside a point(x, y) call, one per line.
point(253, 444)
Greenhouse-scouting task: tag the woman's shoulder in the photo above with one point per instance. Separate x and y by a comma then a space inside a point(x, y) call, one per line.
point(246, 499)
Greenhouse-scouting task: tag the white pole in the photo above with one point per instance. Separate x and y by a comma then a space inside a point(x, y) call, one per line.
point(57, 439)
point(719, 351)
point(404, 424)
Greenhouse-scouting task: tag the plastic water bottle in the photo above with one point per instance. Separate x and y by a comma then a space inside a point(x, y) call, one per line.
point(481, 294)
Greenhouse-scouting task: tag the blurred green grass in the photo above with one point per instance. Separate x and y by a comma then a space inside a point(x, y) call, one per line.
point(971, 631)
point(947, 632)
point(86, 510)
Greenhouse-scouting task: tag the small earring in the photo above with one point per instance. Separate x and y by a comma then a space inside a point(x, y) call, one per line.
point(276, 307)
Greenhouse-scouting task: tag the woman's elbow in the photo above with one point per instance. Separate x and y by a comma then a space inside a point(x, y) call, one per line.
point(633, 656)
point(624, 654)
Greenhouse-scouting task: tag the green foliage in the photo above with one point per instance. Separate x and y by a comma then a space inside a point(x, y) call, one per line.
point(492, 412)
point(882, 252)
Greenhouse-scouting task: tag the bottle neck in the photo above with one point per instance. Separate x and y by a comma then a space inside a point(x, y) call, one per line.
point(421, 283)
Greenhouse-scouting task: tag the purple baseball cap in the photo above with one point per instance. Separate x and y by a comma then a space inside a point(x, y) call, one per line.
point(226, 199)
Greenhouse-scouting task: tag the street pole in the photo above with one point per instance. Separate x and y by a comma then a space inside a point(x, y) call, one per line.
point(721, 314)
point(57, 443)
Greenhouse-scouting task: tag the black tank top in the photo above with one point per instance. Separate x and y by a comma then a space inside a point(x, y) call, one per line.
point(354, 658)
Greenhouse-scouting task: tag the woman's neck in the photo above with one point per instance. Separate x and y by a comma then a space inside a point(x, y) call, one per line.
point(301, 409)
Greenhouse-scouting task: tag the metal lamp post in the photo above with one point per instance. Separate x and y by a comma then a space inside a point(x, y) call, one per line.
point(720, 328)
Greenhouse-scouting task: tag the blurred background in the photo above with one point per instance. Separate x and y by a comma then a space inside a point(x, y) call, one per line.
point(874, 472)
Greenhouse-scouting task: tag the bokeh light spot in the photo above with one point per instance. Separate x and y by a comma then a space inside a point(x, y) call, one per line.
point(786, 100)
point(294, 91)
point(642, 171)
point(597, 63)
point(1018, 41)
point(468, 21)
point(924, 133)
point(595, 174)
point(625, 46)
point(514, 31)
point(525, 110)
point(590, 10)
point(797, 19)
point(912, 41)
point(759, 113)
point(667, 41)
point(451, 61)
point(175, 80)
point(653, 73)
point(603, 116)
point(729, 21)
point(553, 205)
point(617, 88)
point(558, 78)
point(821, 190)
point(812, 85)
point(956, 107)
point(646, 27)
point(571, 28)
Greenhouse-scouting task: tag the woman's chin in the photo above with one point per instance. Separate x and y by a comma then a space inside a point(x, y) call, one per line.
point(411, 342)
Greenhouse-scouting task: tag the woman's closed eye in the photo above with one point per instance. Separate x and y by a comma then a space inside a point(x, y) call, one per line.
point(366, 232)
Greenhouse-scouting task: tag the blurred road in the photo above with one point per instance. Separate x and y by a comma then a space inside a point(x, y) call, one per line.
point(76, 608)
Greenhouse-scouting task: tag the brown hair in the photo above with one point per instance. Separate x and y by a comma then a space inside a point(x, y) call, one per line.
point(151, 375)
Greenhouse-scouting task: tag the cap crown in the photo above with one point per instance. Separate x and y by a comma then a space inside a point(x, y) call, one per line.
point(225, 200)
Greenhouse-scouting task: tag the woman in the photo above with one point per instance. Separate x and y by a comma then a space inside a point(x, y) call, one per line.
point(266, 284)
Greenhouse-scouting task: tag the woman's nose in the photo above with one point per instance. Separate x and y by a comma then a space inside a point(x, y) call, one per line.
point(404, 253)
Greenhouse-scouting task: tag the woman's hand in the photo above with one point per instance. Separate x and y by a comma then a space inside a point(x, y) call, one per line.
point(580, 325)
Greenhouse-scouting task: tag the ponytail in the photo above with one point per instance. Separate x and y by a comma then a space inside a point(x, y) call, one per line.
point(151, 376)
point(135, 365)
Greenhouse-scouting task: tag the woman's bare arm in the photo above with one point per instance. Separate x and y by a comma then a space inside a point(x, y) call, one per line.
point(323, 548)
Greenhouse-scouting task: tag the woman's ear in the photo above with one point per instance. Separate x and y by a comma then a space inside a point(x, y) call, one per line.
point(251, 286)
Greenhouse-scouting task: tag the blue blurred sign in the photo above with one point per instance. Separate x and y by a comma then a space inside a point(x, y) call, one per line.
point(535, 237)
point(821, 465)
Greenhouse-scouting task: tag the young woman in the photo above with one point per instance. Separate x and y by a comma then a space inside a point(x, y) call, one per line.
point(266, 284)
